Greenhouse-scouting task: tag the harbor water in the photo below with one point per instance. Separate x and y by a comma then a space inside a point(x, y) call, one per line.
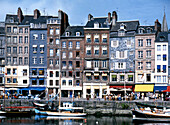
point(89, 120)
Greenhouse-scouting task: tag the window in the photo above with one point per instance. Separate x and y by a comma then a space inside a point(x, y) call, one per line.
point(96, 77)
point(15, 39)
point(64, 54)
point(77, 33)
point(8, 39)
point(51, 41)
point(20, 39)
point(77, 74)
point(9, 50)
point(14, 80)
point(34, 60)
point(121, 33)
point(20, 50)
point(164, 57)
point(51, 73)
point(148, 42)
point(24, 72)
point(77, 54)
point(51, 62)
point(96, 64)
point(104, 78)
point(128, 43)
point(42, 36)
point(140, 54)
point(104, 52)
point(159, 79)
point(114, 78)
point(104, 64)
point(24, 81)
point(96, 51)
point(130, 78)
point(164, 68)
point(158, 68)
point(8, 60)
point(57, 74)
point(51, 82)
point(14, 50)
point(122, 77)
point(34, 71)
point(148, 53)
point(14, 71)
point(14, 60)
point(140, 31)
point(51, 31)
point(158, 47)
point(57, 31)
point(77, 82)
point(64, 73)
point(120, 65)
point(121, 54)
point(26, 50)
point(26, 39)
point(35, 36)
point(88, 78)
point(70, 44)
point(88, 64)
point(57, 41)
point(164, 79)
point(104, 40)
point(8, 80)
point(26, 60)
point(41, 81)
point(67, 34)
point(77, 45)
point(114, 43)
point(88, 40)
point(164, 47)
point(148, 77)
point(140, 65)
point(14, 29)
point(140, 42)
point(158, 57)
point(51, 52)
point(96, 40)
point(41, 60)
point(64, 64)
point(20, 30)
point(70, 73)
point(41, 49)
point(34, 49)
point(64, 82)
point(70, 64)
point(64, 44)
point(26, 30)
point(8, 71)
point(77, 64)
point(1, 51)
point(148, 65)
point(57, 82)
point(57, 62)
point(57, 52)
point(8, 29)
point(140, 77)
point(34, 81)
point(20, 60)
point(88, 51)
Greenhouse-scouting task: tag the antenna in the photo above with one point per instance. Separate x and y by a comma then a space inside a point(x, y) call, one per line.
point(44, 11)
point(26, 10)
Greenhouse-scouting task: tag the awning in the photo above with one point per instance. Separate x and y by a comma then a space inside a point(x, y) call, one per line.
point(34, 69)
point(167, 90)
point(34, 88)
point(144, 88)
point(41, 78)
point(160, 88)
point(34, 79)
point(88, 74)
point(96, 74)
point(41, 69)
point(104, 74)
point(121, 87)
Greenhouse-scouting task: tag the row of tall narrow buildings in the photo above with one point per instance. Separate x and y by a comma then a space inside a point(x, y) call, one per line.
point(44, 53)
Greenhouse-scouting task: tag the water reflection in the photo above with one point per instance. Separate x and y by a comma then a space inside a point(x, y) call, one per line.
point(89, 120)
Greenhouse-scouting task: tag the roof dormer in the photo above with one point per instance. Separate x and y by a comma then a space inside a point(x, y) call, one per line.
point(96, 25)
point(77, 33)
point(67, 33)
point(122, 26)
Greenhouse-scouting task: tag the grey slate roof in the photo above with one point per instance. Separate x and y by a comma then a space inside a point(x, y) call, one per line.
point(145, 29)
point(130, 25)
point(2, 30)
point(72, 30)
point(27, 19)
point(162, 37)
point(103, 23)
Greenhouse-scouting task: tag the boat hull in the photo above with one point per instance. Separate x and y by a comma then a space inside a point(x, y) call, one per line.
point(62, 114)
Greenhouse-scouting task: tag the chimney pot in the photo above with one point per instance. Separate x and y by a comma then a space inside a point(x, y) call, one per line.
point(36, 14)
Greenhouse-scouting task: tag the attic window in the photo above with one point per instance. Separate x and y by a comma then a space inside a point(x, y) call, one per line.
point(77, 33)
point(122, 26)
point(140, 31)
point(162, 38)
point(148, 30)
point(96, 25)
point(67, 34)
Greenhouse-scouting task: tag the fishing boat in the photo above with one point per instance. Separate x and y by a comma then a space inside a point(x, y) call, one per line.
point(145, 112)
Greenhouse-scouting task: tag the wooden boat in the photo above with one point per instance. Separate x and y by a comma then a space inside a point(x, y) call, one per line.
point(145, 112)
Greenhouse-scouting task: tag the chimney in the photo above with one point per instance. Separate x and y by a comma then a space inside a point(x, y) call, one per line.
point(109, 17)
point(36, 13)
point(19, 14)
point(90, 17)
point(114, 18)
point(157, 26)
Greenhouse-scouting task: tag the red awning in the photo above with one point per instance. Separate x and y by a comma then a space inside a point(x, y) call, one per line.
point(168, 89)
point(121, 87)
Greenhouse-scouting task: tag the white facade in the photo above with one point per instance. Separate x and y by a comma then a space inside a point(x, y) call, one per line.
point(23, 76)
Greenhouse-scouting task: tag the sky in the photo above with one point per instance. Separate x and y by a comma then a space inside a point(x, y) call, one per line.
point(146, 11)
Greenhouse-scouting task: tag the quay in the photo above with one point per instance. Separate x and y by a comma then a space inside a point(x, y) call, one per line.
point(92, 107)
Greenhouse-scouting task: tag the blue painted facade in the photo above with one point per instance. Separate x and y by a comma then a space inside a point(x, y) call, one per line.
point(38, 71)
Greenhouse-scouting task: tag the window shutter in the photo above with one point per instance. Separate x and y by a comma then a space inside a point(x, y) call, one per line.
point(117, 54)
point(125, 54)
point(117, 43)
point(116, 65)
point(124, 65)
